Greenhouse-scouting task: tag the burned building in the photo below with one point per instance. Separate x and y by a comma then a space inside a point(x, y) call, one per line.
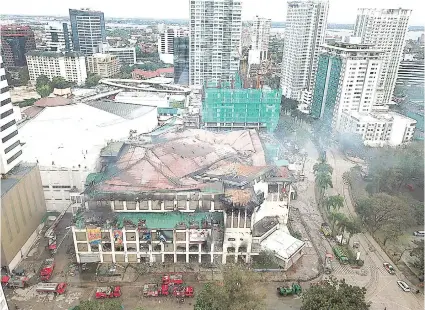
point(182, 196)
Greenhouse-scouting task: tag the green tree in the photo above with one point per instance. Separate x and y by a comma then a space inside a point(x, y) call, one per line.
point(323, 182)
point(337, 221)
point(235, 293)
point(418, 253)
point(24, 76)
point(352, 227)
point(382, 210)
point(335, 202)
point(44, 90)
point(335, 295)
point(322, 167)
point(108, 304)
point(59, 82)
point(42, 80)
point(92, 79)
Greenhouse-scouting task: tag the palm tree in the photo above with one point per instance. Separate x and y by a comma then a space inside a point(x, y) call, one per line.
point(323, 181)
point(352, 227)
point(334, 202)
point(322, 167)
point(339, 218)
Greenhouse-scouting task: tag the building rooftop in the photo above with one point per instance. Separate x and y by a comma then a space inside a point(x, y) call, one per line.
point(282, 244)
point(73, 135)
point(12, 177)
point(124, 110)
point(52, 102)
point(54, 54)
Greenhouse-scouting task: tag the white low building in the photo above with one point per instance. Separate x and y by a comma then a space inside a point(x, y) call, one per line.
point(69, 65)
point(379, 128)
point(144, 98)
point(66, 141)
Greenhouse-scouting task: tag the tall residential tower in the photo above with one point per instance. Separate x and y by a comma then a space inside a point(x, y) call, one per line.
point(10, 149)
point(88, 30)
point(215, 37)
point(386, 29)
point(305, 30)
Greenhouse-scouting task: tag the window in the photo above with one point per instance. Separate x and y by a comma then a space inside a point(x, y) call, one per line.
point(3, 90)
point(6, 114)
point(11, 147)
point(7, 125)
point(14, 157)
point(9, 136)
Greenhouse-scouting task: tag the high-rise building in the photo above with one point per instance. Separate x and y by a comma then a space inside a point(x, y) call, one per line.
point(386, 29)
point(10, 150)
point(305, 30)
point(58, 37)
point(215, 37)
point(346, 80)
point(260, 33)
point(88, 30)
point(181, 60)
point(104, 65)
point(69, 65)
point(16, 40)
point(166, 43)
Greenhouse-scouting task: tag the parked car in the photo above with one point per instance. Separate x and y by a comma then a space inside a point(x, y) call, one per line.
point(419, 233)
point(389, 268)
point(403, 286)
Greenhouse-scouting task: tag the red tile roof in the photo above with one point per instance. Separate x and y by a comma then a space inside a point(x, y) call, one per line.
point(52, 102)
point(151, 74)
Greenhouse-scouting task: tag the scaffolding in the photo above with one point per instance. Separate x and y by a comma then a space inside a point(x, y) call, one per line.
point(229, 106)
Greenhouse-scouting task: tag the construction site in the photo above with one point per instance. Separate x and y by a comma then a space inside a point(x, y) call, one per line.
point(242, 103)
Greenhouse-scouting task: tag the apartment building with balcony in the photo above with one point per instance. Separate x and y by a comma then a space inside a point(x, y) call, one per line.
point(58, 37)
point(385, 29)
point(305, 31)
point(125, 55)
point(69, 65)
point(346, 80)
point(104, 65)
point(215, 39)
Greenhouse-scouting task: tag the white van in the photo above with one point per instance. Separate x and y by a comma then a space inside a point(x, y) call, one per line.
point(419, 233)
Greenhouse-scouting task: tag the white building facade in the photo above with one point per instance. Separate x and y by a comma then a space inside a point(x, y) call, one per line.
point(346, 80)
point(69, 65)
point(3, 302)
point(166, 43)
point(104, 65)
point(58, 37)
point(10, 150)
point(386, 29)
point(305, 30)
point(215, 37)
point(125, 55)
point(260, 33)
point(378, 128)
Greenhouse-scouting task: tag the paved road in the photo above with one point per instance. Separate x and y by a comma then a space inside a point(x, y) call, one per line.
point(382, 289)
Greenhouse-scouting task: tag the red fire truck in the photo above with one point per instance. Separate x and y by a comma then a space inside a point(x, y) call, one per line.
point(56, 288)
point(175, 279)
point(47, 269)
point(108, 292)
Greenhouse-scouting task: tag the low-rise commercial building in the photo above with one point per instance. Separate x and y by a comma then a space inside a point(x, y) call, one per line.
point(22, 211)
point(76, 134)
point(186, 196)
point(125, 55)
point(69, 65)
point(104, 65)
point(379, 128)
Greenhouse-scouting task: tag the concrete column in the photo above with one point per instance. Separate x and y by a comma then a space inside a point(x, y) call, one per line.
point(137, 244)
point(162, 206)
point(150, 254)
point(248, 251)
point(137, 205)
point(187, 245)
point(224, 257)
point(124, 242)
point(239, 218)
point(212, 252)
point(231, 224)
point(199, 254)
point(175, 245)
point(150, 205)
point(112, 205)
point(111, 236)
point(162, 252)
point(124, 205)
point(246, 216)
point(212, 204)
point(75, 243)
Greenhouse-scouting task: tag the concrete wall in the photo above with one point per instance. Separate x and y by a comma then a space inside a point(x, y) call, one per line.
point(22, 210)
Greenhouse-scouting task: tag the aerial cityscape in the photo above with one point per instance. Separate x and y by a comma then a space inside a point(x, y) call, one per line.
point(212, 155)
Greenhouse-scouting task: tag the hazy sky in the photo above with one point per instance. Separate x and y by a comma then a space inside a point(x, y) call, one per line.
point(340, 11)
